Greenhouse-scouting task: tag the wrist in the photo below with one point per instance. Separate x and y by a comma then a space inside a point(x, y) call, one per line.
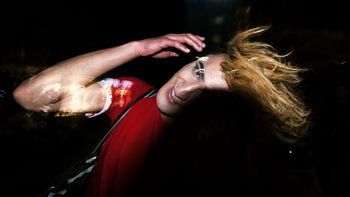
point(135, 47)
point(121, 54)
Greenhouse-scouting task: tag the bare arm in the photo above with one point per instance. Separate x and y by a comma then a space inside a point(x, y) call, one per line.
point(62, 87)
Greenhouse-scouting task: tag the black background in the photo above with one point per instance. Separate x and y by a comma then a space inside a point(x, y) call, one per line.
point(36, 34)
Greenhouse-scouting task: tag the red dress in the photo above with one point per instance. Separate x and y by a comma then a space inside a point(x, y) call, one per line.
point(128, 145)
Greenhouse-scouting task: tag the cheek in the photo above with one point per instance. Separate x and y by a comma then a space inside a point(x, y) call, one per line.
point(162, 98)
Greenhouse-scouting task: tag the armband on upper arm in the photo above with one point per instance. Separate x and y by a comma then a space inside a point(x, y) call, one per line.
point(106, 84)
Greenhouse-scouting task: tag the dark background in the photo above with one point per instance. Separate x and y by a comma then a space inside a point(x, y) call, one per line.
point(36, 147)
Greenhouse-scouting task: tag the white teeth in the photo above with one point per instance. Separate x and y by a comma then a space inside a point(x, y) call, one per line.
point(173, 93)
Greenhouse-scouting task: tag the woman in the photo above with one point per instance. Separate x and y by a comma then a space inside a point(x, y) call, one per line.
point(250, 69)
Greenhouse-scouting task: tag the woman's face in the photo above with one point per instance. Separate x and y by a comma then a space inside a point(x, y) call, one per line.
point(186, 84)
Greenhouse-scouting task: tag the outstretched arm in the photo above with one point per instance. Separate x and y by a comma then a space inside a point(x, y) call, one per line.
point(64, 86)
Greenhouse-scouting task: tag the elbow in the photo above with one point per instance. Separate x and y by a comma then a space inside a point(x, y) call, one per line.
point(20, 94)
point(17, 94)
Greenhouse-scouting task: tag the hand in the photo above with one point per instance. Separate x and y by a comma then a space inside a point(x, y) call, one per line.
point(163, 47)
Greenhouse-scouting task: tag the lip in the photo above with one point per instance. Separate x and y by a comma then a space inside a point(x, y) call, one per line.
point(171, 96)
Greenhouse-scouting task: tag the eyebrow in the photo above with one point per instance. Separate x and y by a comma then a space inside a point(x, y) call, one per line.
point(203, 58)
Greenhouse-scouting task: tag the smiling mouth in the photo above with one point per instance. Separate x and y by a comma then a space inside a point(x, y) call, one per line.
point(172, 96)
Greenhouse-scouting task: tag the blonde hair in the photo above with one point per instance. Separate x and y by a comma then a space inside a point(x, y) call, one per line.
point(257, 72)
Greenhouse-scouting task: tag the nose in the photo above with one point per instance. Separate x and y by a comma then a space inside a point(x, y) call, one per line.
point(185, 91)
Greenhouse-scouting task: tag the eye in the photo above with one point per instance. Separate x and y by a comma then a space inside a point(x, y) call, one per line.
point(196, 73)
point(199, 70)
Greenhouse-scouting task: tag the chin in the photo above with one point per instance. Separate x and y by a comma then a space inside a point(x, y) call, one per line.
point(164, 105)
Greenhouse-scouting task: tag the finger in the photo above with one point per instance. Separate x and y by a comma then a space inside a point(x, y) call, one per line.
point(193, 43)
point(168, 42)
point(197, 39)
point(166, 54)
point(174, 54)
point(200, 37)
point(178, 45)
point(188, 39)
